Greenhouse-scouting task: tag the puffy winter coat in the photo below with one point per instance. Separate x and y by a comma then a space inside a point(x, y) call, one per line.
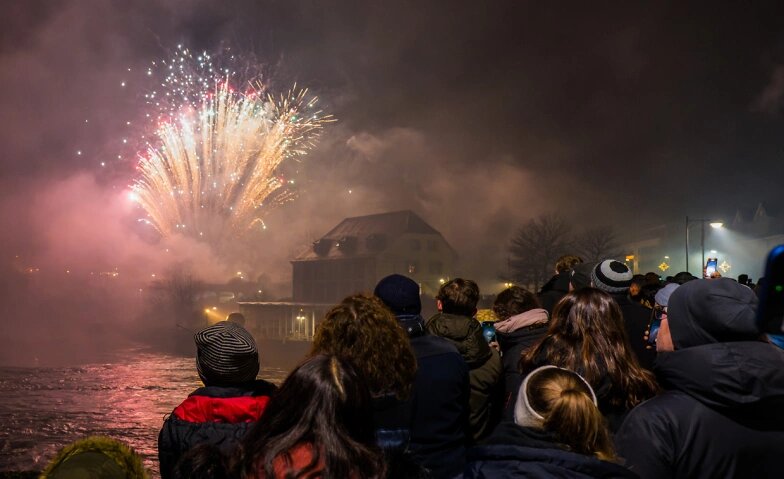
point(484, 365)
point(211, 415)
point(513, 451)
point(722, 414)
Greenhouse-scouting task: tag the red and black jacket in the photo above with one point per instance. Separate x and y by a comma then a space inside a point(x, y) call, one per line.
point(211, 415)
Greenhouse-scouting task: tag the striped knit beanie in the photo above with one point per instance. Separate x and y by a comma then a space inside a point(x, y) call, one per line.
point(226, 354)
point(611, 276)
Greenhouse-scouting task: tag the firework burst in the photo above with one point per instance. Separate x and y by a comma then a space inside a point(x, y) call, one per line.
point(214, 170)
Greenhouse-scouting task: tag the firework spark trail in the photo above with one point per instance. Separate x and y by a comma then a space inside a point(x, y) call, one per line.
point(215, 170)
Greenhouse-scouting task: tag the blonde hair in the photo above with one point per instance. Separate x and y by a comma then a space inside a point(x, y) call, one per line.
point(566, 405)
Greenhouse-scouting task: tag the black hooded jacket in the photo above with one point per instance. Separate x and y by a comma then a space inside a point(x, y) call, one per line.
point(722, 414)
point(553, 290)
point(514, 451)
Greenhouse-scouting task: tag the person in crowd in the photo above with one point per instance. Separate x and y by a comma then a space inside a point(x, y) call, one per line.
point(364, 331)
point(318, 424)
point(230, 402)
point(557, 287)
point(586, 335)
point(683, 277)
point(95, 457)
point(580, 276)
point(439, 395)
point(661, 301)
point(615, 278)
point(522, 322)
point(721, 412)
point(557, 431)
point(456, 302)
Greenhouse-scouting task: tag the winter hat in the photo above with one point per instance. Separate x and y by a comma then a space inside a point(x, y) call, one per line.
point(611, 276)
point(400, 294)
point(524, 414)
point(663, 295)
point(96, 456)
point(707, 311)
point(226, 354)
point(580, 276)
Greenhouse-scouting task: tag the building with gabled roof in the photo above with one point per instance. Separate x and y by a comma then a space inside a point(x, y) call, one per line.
point(359, 251)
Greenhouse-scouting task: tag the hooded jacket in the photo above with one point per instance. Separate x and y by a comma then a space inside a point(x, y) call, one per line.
point(721, 412)
point(215, 415)
point(484, 364)
point(513, 451)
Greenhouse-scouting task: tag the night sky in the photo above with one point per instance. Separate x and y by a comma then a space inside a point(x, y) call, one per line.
point(476, 115)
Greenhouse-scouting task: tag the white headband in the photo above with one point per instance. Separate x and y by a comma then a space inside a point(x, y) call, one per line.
point(524, 414)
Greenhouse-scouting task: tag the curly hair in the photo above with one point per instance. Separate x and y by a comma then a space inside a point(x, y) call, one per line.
point(362, 330)
point(513, 301)
point(587, 335)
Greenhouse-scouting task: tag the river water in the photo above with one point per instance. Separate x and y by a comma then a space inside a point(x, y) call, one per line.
point(124, 396)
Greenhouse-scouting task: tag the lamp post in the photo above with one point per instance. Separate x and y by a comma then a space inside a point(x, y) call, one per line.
point(702, 221)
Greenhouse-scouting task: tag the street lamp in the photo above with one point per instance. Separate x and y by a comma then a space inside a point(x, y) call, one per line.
point(702, 221)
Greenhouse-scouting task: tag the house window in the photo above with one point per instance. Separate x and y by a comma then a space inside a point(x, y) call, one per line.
point(415, 246)
point(432, 245)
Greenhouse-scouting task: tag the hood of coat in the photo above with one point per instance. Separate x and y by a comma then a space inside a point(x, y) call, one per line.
point(465, 333)
point(725, 375)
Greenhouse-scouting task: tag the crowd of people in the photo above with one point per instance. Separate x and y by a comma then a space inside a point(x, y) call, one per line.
point(600, 374)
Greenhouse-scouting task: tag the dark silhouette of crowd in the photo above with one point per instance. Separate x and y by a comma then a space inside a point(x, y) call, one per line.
point(599, 374)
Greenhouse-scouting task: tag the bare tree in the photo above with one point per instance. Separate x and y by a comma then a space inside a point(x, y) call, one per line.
point(176, 297)
point(597, 244)
point(535, 249)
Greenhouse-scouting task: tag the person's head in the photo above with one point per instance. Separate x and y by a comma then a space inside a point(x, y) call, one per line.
point(683, 277)
point(635, 287)
point(709, 311)
point(587, 335)
point(96, 457)
point(226, 355)
point(560, 401)
point(652, 278)
point(660, 308)
point(743, 279)
point(236, 317)
point(325, 402)
point(458, 296)
point(362, 330)
point(566, 262)
point(513, 301)
point(611, 276)
point(400, 294)
point(580, 276)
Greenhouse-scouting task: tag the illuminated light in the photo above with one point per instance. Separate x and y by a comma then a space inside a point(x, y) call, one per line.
point(725, 267)
point(79, 152)
point(441, 280)
point(103, 163)
point(713, 251)
point(207, 310)
point(122, 84)
point(779, 288)
point(664, 266)
point(629, 257)
point(716, 224)
point(132, 196)
point(214, 308)
point(666, 257)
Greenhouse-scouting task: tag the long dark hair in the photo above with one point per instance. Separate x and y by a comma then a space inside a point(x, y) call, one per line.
point(323, 404)
point(587, 335)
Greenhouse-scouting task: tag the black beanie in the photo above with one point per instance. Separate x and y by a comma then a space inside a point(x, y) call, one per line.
point(400, 294)
point(706, 311)
point(226, 354)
